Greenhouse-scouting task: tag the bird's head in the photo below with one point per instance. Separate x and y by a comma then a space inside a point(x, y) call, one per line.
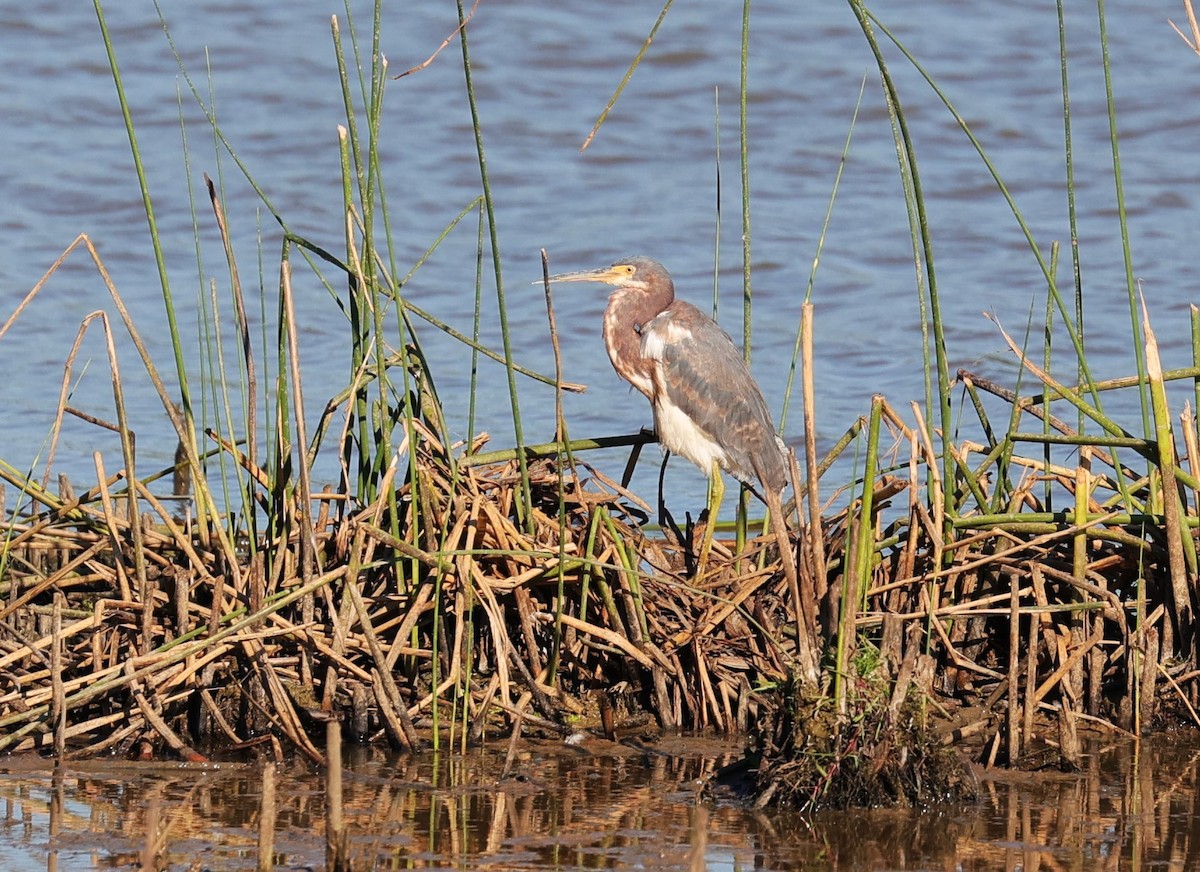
point(633, 273)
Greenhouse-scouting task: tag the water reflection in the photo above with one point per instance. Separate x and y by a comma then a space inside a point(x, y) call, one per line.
point(607, 807)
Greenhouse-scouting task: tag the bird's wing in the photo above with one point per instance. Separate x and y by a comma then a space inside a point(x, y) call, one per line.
point(701, 372)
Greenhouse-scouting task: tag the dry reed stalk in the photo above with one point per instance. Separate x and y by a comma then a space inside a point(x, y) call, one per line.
point(993, 605)
point(1014, 657)
point(267, 811)
point(342, 622)
point(815, 538)
point(1170, 679)
point(336, 842)
point(58, 709)
point(1165, 444)
point(406, 736)
point(176, 744)
point(1193, 43)
point(1146, 697)
point(111, 525)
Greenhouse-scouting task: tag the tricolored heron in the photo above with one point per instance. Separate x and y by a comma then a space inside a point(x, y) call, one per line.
point(707, 406)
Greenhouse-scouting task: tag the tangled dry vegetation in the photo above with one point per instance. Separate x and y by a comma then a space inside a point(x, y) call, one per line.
point(1011, 626)
point(115, 638)
point(967, 591)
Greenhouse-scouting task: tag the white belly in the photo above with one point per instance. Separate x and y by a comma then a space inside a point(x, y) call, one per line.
point(679, 435)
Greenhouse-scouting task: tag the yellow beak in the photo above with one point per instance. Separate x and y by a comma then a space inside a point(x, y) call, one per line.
point(609, 275)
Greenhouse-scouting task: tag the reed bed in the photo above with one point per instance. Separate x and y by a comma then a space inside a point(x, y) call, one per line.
point(468, 616)
point(1005, 588)
point(465, 620)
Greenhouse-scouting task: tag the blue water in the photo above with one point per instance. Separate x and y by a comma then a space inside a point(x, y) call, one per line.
point(647, 184)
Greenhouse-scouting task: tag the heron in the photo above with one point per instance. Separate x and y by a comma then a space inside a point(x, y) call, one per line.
point(707, 406)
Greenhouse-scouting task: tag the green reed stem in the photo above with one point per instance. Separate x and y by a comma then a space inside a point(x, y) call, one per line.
point(716, 289)
point(561, 432)
point(475, 321)
point(360, 412)
point(1069, 153)
point(371, 419)
point(744, 157)
point(383, 421)
point(288, 394)
point(1194, 314)
point(1047, 362)
point(589, 568)
point(863, 552)
point(209, 341)
point(633, 577)
point(612, 101)
point(923, 251)
point(148, 208)
point(525, 508)
point(1122, 219)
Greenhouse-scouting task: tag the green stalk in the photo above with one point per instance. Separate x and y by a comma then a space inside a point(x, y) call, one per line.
point(589, 567)
point(156, 243)
point(857, 577)
point(630, 570)
point(1069, 152)
point(525, 507)
point(475, 319)
point(382, 443)
point(1122, 218)
point(1047, 361)
point(716, 290)
point(863, 550)
point(564, 437)
point(744, 154)
point(360, 414)
point(1194, 312)
point(283, 447)
point(923, 250)
point(612, 101)
point(209, 351)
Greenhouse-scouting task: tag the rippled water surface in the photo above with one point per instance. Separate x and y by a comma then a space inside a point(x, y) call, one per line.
point(647, 184)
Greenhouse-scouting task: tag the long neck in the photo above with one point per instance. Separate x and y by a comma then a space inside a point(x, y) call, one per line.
point(628, 311)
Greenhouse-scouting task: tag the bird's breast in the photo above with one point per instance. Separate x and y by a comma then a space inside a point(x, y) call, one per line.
point(623, 343)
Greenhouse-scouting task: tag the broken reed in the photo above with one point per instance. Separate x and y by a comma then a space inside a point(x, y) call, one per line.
point(1028, 610)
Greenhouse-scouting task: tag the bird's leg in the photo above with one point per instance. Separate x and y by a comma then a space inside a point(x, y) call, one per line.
point(662, 502)
point(716, 493)
point(666, 521)
point(743, 511)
